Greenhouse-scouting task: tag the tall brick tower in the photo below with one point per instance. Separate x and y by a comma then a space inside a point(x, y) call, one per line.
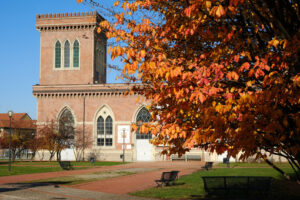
point(73, 86)
point(72, 52)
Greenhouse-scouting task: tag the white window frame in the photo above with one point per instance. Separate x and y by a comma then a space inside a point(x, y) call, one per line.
point(105, 111)
point(62, 56)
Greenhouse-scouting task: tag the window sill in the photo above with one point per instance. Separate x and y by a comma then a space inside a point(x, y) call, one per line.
point(66, 69)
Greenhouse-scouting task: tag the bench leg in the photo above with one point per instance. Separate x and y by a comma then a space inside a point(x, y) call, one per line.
point(159, 184)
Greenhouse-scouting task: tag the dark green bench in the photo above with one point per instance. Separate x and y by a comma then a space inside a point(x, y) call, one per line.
point(167, 178)
point(193, 157)
point(186, 157)
point(65, 165)
point(176, 157)
point(244, 185)
point(208, 165)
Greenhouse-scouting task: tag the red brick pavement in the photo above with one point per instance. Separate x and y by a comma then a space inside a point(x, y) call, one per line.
point(140, 181)
point(116, 185)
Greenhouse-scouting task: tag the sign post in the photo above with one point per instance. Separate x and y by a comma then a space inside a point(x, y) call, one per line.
point(124, 136)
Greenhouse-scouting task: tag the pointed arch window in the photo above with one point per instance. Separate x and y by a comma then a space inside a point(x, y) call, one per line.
point(108, 131)
point(100, 131)
point(67, 54)
point(143, 117)
point(57, 54)
point(105, 131)
point(76, 54)
point(67, 127)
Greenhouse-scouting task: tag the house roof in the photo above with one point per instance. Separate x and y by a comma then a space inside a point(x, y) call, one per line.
point(15, 116)
point(19, 120)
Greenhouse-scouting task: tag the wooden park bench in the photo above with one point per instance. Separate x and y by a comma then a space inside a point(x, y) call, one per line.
point(193, 157)
point(186, 157)
point(65, 165)
point(208, 165)
point(167, 178)
point(243, 185)
point(176, 157)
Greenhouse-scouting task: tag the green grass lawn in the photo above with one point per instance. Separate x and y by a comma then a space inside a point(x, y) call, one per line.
point(31, 163)
point(55, 163)
point(27, 167)
point(88, 164)
point(192, 187)
point(251, 165)
point(17, 170)
point(84, 178)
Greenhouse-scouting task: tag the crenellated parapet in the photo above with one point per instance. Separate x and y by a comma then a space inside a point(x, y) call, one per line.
point(64, 15)
point(67, 21)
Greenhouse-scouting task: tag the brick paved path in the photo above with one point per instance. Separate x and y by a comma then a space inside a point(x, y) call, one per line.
point(110, 189)
point(140, 181)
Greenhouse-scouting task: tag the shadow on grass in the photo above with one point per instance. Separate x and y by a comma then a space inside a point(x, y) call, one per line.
point(3, 163)
point(21, 186)
point(179, 183)
point(237, 195)
point(279, 189)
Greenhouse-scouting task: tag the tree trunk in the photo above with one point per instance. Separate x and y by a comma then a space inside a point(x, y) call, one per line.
point(13, 155)
point(277, 169)
point(58, 156)
point(33, 155)
point(51, 155)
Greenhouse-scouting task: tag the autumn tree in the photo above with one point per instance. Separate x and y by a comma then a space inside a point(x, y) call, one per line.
point(223, 75)
point(47, 133)
point(34, 145)
point(23, 132)
point(56, 136)
point(83, 140)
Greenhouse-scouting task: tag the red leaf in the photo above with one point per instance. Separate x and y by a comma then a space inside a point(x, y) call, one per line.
point(237, 58)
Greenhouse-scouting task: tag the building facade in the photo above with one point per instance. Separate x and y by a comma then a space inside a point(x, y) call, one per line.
point(73, 82)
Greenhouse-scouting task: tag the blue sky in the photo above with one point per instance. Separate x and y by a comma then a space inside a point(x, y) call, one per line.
point(20, 46)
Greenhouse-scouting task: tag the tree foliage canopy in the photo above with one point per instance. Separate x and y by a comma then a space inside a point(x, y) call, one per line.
point(222, 74)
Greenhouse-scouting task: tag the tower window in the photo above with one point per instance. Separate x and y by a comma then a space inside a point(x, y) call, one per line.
point(67, 54)
point(76, 54)
point(57, 54)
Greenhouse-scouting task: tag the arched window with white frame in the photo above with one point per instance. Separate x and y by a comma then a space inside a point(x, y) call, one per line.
point(104, 129)
point(100, 131)
point(67, 54)
point(143, 116)
point(108, 131)
point(57, 54)
point(76, 54)
point(67, 127)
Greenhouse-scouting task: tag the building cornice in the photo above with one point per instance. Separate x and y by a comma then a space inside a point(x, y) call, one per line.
point(65, 27)
point(82, 90)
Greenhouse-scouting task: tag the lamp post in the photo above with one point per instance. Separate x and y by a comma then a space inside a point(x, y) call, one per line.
point(124, 135)
point(10, 113)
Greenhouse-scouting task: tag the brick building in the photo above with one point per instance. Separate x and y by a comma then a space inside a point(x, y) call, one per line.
point(22, 126)
point(73, 83)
